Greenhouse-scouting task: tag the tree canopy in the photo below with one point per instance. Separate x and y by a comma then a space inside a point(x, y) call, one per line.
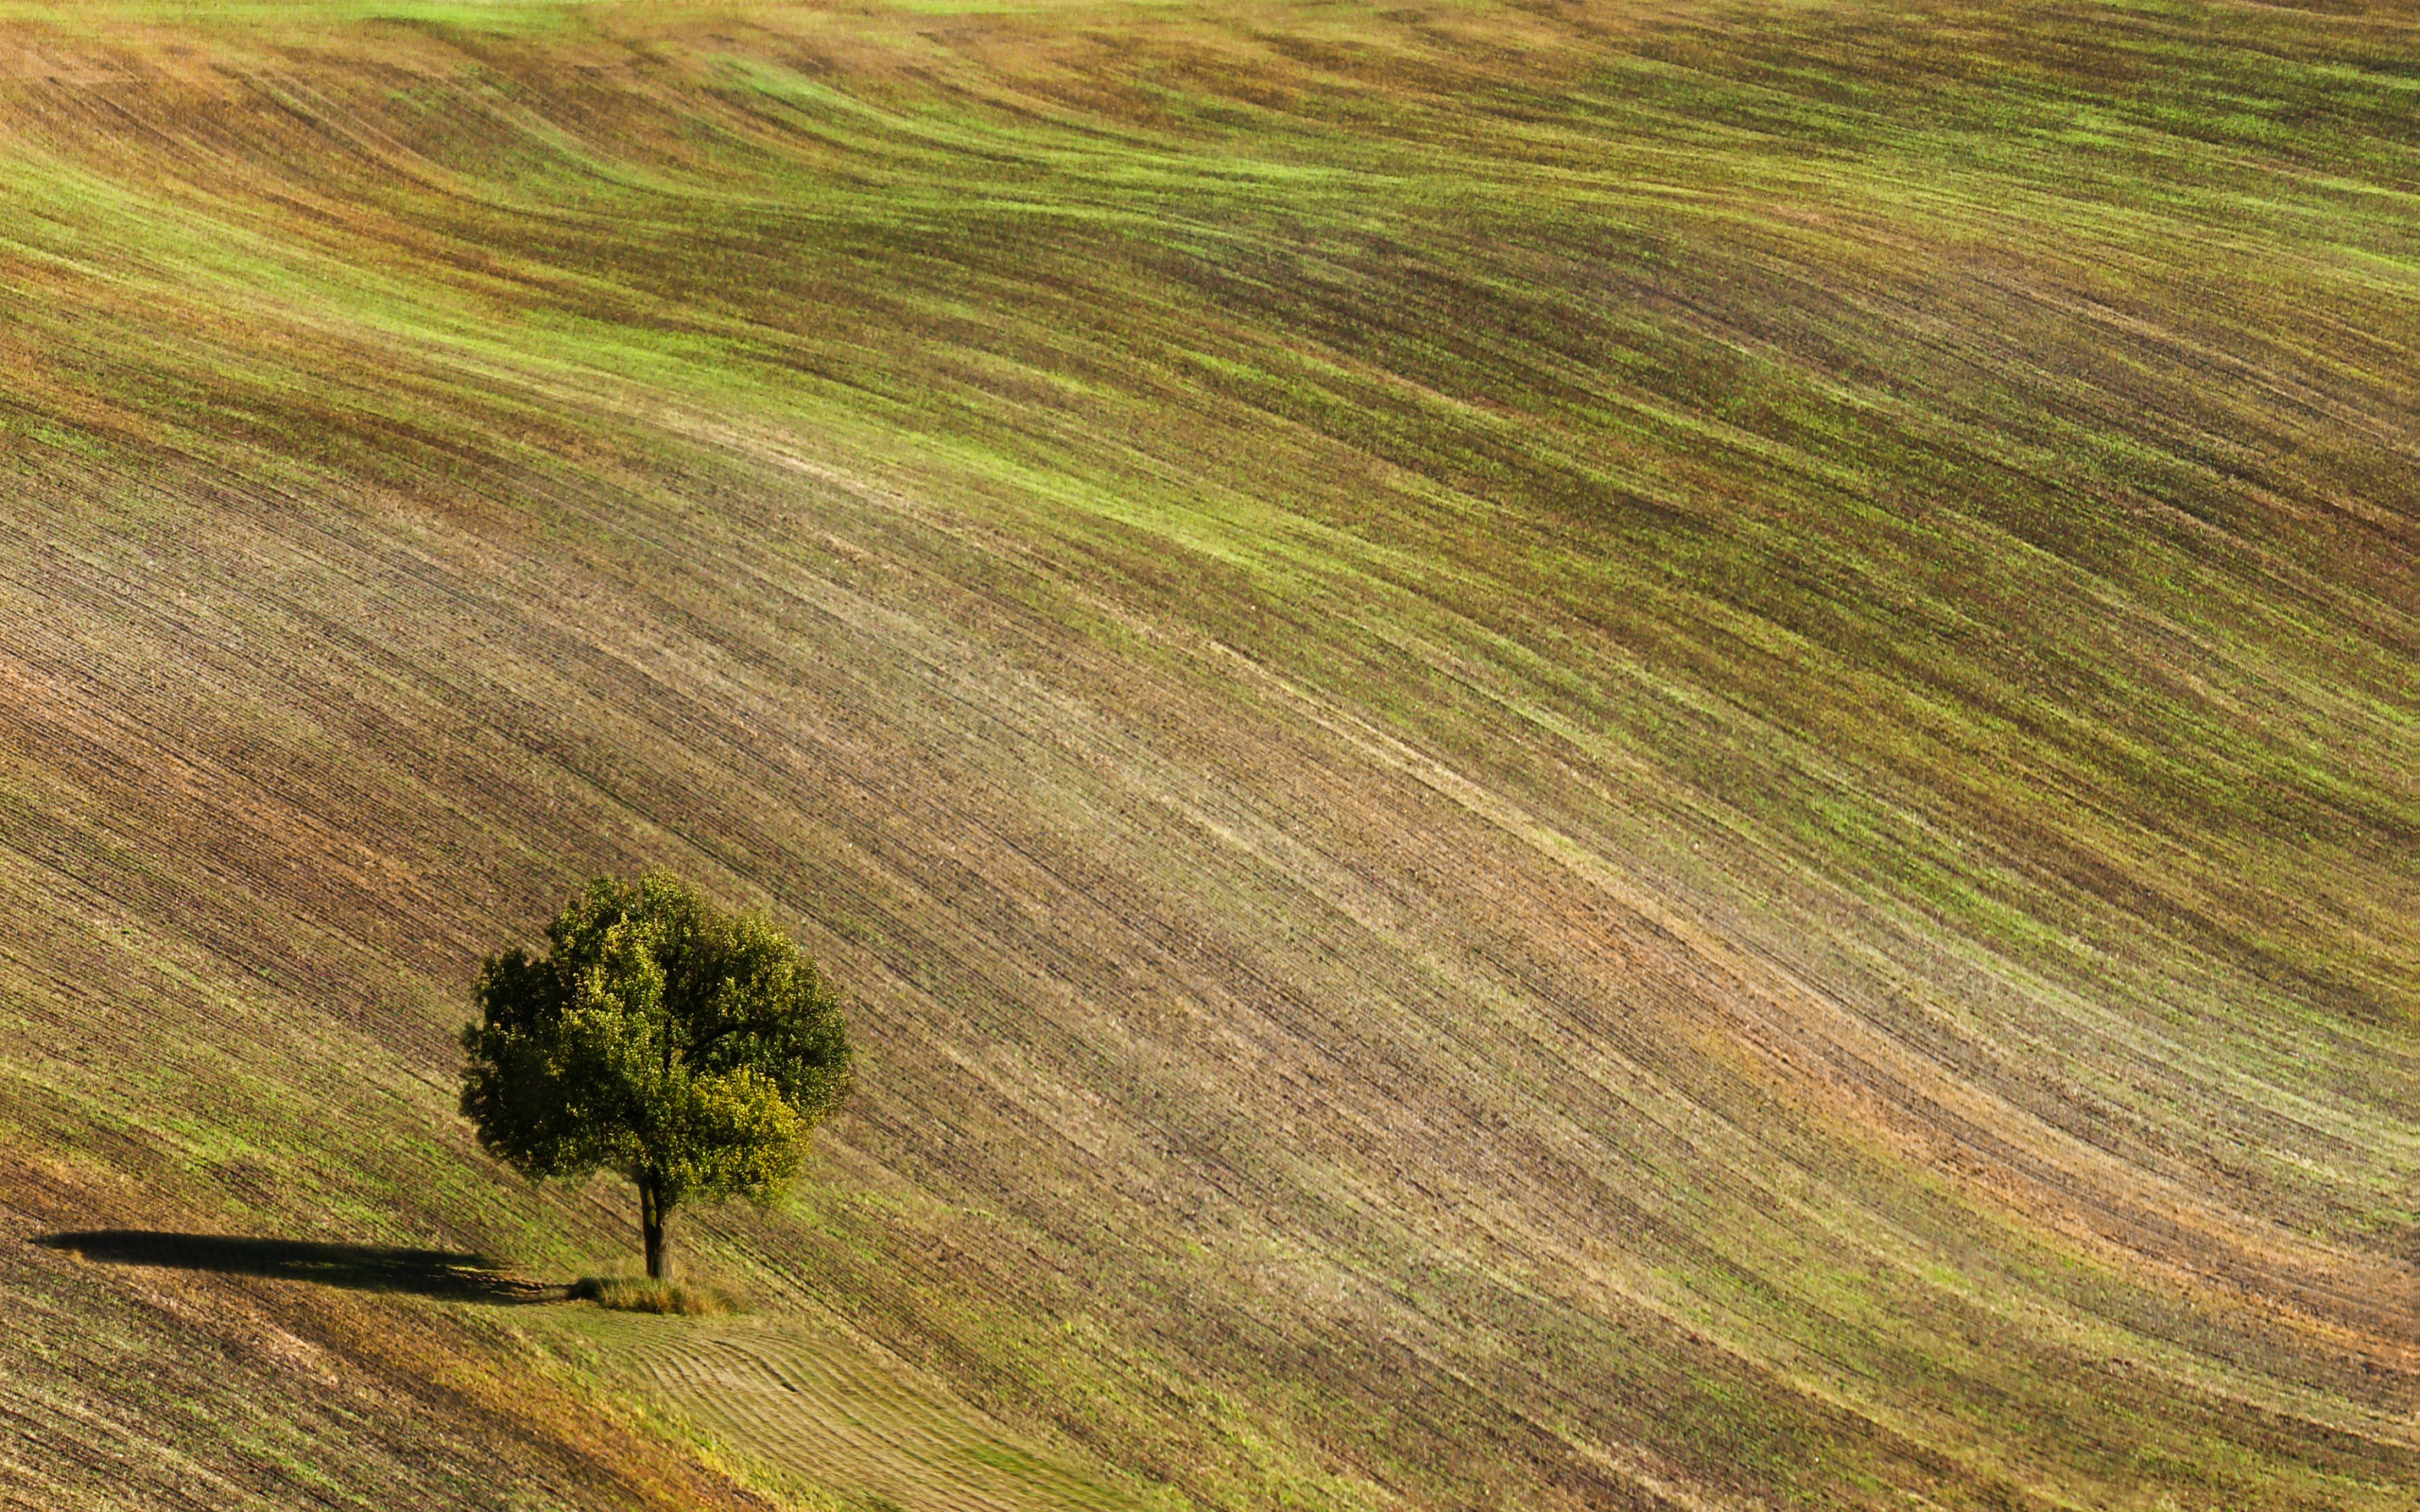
point(689, 1047)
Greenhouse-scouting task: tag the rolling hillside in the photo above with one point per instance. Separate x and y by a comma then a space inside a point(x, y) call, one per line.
point(1569, 756)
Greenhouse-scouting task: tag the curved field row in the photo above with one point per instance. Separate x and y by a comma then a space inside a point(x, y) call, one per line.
point(842, 1416)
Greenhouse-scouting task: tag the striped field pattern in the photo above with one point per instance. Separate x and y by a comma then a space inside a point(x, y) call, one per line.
point(1568, 755)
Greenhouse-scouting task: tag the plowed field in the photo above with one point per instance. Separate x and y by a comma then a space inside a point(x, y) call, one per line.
point(832, 1411)
point(1567, 757)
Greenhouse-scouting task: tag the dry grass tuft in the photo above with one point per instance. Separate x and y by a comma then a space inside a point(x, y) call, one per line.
point(626, 1293)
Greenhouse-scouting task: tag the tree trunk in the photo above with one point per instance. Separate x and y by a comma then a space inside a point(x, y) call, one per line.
point(652, 1224)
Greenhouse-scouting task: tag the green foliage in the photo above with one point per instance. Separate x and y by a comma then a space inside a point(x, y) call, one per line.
point(689, 1048)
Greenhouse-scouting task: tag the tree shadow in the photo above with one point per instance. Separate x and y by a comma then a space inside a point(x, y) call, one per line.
point(456, 1275)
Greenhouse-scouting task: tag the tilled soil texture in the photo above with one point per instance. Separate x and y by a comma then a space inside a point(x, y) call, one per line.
point(153, 1369)
point(1567, 758)
point(831, 1411)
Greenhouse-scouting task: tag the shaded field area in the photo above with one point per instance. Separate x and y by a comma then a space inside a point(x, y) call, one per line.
point(164, 1371)
point(358, 1267)
point(1570, 757)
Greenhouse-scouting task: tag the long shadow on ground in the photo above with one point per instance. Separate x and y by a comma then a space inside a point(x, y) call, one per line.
point(455, 1273)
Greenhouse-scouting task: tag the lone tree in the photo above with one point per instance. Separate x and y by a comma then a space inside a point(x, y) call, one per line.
point(690, 1048)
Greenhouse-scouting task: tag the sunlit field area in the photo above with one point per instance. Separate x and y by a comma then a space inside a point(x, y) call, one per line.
point(1562, 756)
